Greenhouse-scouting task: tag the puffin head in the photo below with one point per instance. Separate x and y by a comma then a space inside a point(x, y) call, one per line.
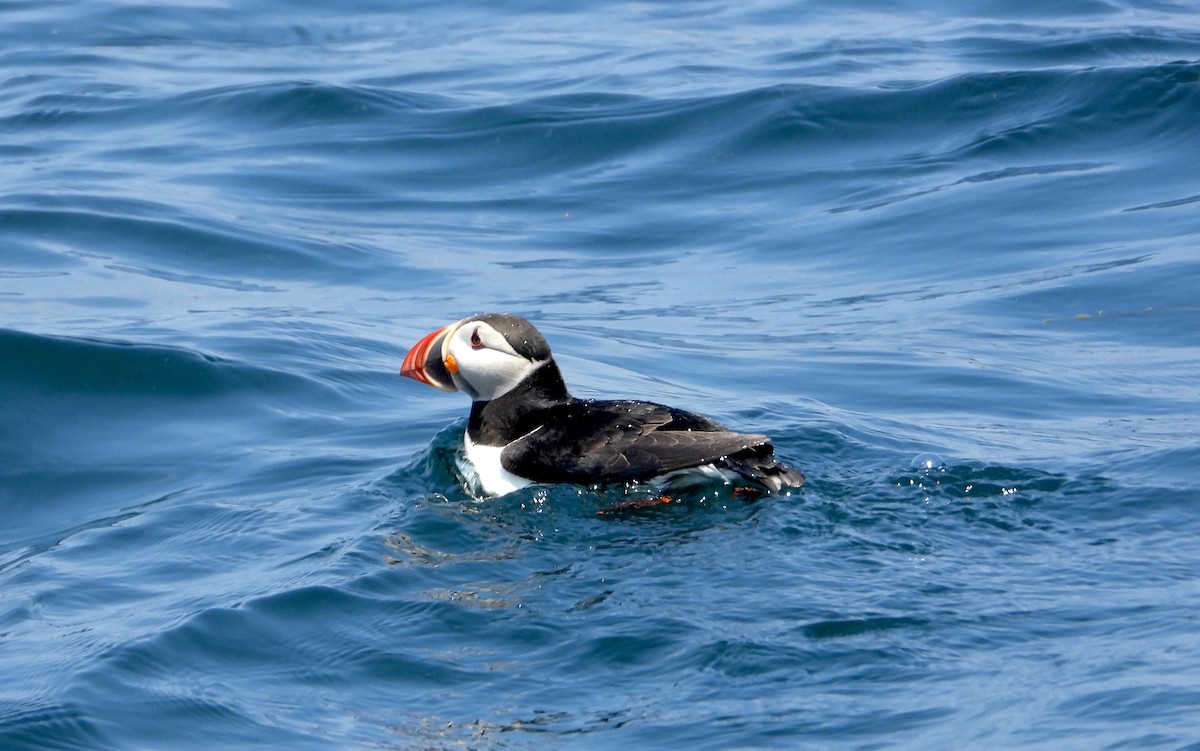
point(485, 355)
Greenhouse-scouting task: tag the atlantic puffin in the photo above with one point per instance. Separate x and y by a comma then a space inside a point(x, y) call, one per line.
point(525, 428)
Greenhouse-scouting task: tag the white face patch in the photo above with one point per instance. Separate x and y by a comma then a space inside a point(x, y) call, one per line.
point(487, 365)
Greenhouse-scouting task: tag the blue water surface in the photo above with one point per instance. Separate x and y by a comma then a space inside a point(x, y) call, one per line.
point(946, 254)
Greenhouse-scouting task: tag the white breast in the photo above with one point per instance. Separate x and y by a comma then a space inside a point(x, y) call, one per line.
point(482, 470)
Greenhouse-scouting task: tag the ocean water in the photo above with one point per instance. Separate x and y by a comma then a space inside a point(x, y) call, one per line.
point(946, 254)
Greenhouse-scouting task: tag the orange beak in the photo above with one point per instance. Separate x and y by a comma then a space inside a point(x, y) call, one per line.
point(430, 363)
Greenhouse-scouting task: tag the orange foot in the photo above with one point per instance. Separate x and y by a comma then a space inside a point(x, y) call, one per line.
point(634, 505)
point(749, 495)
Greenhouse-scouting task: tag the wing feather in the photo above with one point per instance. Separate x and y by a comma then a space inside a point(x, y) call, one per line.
point(588, 442)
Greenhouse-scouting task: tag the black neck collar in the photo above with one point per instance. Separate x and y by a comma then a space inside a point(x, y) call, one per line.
point(512, 415)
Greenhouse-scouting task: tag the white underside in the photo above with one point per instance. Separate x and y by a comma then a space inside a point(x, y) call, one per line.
point(482, 472)
point(681, 479)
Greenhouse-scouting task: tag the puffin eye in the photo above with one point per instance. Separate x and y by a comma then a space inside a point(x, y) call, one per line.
point(476, 342)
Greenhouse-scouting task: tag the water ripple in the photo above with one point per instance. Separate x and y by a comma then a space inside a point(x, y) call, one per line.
point(944, 258)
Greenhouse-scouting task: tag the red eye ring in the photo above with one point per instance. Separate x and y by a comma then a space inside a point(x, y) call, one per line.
point(476, 342)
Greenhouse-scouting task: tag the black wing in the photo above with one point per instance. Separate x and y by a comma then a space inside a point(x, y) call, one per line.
point(590, 441)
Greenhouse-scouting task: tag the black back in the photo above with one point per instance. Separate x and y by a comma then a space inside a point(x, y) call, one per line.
point(585, 441)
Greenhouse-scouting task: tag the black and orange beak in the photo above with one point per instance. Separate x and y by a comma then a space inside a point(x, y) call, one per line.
point(430, 362)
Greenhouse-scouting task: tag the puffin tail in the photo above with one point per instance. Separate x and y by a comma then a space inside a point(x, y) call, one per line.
point(760, 467)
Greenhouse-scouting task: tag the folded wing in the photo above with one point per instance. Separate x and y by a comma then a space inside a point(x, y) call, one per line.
point(588, 441)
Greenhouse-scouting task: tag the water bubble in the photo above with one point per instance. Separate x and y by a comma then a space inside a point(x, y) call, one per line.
point(927, 462)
